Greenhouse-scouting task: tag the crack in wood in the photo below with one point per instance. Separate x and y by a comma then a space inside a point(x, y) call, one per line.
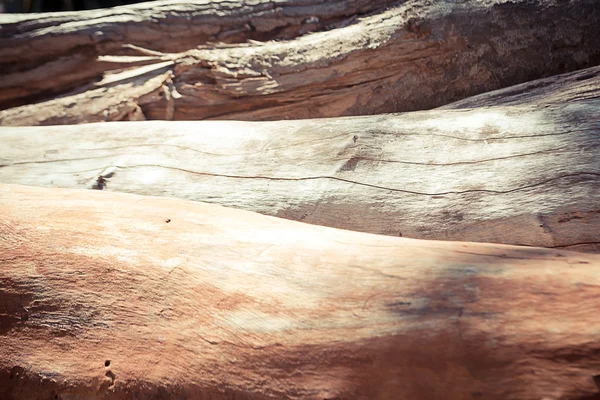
point(503, 256)
point(307, 178)
point(302, 144)
point(592, 129)
point(268, 149)
point(361, 158)
point(362, 268)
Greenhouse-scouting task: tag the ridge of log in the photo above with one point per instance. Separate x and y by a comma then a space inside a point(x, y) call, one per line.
point(408, 57)
point(563, 88)
point(524, 174)
point(111, 295)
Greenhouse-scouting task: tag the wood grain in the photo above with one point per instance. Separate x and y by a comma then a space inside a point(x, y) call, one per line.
point(523, 174)
point(411, 55)
point(42, 54)
point(108, 295)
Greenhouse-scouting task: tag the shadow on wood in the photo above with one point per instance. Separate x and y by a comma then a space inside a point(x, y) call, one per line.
point(116, 295)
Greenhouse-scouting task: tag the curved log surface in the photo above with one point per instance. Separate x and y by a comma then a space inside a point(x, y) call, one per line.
point(524, 174)
point(410, 56)
point(558, 89)
point(107, 295)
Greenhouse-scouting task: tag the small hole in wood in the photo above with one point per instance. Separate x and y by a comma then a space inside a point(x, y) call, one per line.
point(167, 220)
point(107, 363)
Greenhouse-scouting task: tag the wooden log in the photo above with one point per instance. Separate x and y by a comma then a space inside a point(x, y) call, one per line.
point(71, 49)
point(409, 56)
point(558, 89)
point(108, 295)
point(523, 174)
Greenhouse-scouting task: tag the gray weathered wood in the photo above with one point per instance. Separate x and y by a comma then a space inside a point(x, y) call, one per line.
point(519, 174)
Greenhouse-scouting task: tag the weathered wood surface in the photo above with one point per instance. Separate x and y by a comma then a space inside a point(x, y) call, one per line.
point(108, 295)
point(171, 25)
point(518, 174)
point(41, 54)
point(411, 55)
point(558, 89)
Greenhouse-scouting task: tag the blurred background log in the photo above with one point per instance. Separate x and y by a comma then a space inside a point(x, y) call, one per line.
point(186, 60)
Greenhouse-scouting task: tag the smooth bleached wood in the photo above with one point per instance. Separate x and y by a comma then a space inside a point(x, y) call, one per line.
point(523, 174)
point(108, 295)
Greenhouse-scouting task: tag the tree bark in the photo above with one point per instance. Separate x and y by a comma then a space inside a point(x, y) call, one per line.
point(107, 295)
point(523, 173)
point(70, 48)
point(363, 59)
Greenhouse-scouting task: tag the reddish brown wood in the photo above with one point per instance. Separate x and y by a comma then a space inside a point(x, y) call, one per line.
point(118, 296)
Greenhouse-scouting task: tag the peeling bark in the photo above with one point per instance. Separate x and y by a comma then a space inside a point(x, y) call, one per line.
point(108, 295)
point(525, 173)
point(42, 54)
point(409, 56)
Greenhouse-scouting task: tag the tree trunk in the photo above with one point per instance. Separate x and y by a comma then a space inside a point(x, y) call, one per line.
point(107, 295)
point(526, 172)
point(139, 62)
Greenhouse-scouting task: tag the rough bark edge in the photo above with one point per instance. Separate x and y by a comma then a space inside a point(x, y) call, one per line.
point(408, 58)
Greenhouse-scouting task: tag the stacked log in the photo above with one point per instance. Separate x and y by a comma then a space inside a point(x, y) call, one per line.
point(378, 279)
point(522, 168)
point(120, 296)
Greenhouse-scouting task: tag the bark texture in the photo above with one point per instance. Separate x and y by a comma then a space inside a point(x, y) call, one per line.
point(69, 48)
point(522, 173)
point(107, 295)
point(364, 59)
